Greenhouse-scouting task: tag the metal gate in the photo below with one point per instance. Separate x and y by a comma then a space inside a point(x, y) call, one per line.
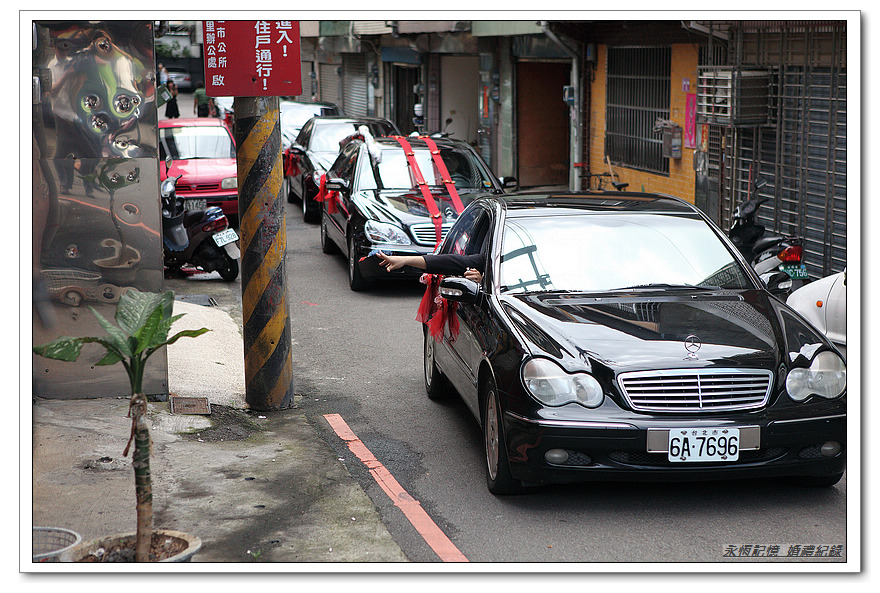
point(354, 85)
point(802, 153)
point(328, 82)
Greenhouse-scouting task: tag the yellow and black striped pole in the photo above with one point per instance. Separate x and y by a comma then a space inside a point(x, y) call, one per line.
point(265, 314)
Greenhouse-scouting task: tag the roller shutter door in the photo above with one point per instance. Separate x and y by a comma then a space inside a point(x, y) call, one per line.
point(354, 85)
point(329, 82)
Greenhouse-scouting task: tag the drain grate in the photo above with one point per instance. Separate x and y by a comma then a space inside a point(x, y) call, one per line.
point(197, 299)
point(190, 405)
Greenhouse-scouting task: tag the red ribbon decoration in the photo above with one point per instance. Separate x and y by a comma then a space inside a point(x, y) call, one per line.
point(436, 217)
point(444, 173)
point(327, 196)
point(436, 312)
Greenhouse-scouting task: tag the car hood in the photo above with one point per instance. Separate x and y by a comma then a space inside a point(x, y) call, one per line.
point(203, 170)
point(322, 160)
point(633, 331)
point(405, 208)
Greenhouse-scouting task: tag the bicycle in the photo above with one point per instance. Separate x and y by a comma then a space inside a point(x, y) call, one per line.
point(602, 180)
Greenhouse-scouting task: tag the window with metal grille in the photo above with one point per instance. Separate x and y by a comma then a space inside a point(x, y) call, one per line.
point(637, 95)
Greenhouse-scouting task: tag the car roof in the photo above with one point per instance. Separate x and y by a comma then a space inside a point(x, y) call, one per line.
point(540, 203)
point(349, 119)
point(186, 122)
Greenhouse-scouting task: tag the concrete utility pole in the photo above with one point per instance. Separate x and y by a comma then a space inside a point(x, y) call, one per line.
point(266, 315)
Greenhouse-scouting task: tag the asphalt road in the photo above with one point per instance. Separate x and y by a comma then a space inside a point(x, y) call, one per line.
point(359, 355)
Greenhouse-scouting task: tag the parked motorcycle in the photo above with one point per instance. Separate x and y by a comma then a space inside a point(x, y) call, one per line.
point(766, 252)
point(196, 241)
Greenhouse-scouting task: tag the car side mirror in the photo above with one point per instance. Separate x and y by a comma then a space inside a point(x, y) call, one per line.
point(336, 184)
point(777, 283)
point(509, 183)
point(459, 289)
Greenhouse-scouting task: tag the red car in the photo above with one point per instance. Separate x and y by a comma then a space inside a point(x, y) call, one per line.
point(203, 150)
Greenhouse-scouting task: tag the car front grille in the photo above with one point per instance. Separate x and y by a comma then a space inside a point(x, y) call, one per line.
point(424, 234)
point(702, 390)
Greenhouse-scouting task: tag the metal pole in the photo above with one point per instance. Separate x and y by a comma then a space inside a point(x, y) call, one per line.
point(265, 313)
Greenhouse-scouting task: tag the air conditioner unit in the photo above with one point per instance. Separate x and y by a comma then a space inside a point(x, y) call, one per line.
point(734, 97)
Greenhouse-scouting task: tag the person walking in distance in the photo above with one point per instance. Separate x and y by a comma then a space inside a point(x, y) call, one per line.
point(171, 108)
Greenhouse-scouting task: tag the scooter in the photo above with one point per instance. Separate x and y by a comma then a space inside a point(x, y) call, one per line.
point(766, 252)
point(197, 241)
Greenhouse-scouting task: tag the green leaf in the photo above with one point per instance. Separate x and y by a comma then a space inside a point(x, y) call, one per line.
point(63, 348)
point(147, 334)
point(117, 337)
point(135, 308)
point(187, 333)
point(111, 358)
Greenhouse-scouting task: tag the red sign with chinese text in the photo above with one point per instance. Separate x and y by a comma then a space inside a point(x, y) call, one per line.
point(252, 58)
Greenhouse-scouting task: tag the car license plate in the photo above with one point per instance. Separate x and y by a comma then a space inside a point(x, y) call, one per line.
point(193, 204)
point(796, 271)
point(703, 444)
point(224, 237)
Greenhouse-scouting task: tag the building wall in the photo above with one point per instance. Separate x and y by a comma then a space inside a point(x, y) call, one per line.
point(680, 182)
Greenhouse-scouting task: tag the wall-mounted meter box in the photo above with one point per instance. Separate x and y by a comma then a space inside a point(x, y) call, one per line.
point(672, 141)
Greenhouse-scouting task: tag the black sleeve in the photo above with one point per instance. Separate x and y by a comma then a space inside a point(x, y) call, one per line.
point(452, 264)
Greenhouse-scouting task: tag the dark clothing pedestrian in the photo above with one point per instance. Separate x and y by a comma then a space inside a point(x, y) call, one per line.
point(171, 108)
point(201, 101)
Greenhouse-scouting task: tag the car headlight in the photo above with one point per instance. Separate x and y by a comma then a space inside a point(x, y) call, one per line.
point(826, 377)
point(381, 232)
point(229, 183)
point(551, 385)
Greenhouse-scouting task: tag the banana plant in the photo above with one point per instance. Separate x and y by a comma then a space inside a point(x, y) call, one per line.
point(144, 320)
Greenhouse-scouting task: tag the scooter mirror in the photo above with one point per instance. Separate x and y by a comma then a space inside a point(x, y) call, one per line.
point(168, 162)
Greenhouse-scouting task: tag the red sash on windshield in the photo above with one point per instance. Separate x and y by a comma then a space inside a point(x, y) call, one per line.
point(436, 217)
point(444, 173)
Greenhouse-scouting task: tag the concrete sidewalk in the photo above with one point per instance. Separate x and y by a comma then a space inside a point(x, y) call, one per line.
point(255, 487)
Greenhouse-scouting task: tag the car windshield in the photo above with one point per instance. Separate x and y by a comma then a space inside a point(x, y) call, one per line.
point(393, 171)
point(327, 135)
point(197, 142)
point(295, 115)
point(617, 251)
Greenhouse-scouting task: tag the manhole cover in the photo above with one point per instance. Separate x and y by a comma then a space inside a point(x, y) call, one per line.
point(190, 405)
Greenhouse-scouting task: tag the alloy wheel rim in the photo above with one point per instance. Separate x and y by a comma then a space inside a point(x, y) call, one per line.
point(429, 360)
point(492, 435)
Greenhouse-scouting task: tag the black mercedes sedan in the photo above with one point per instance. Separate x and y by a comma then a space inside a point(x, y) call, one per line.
point(376, 202)
point(620, 336)
point(316, 147)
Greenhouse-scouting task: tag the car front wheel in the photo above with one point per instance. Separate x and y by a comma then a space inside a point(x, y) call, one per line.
point(355, 280)
point(435, 383)
point(498, 477)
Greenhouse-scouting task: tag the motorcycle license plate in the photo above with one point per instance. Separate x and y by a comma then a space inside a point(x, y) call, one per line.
point(224, 237)
point(192, 204)
point(703, 444)
point(796, 271)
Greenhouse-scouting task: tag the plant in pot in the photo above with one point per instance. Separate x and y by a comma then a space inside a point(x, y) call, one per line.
point(144, 321)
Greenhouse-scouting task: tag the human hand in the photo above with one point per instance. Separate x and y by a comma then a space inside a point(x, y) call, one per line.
point(473, 274)
point(390, 262)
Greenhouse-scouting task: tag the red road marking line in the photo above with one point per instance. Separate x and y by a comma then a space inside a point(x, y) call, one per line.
point(433, 535)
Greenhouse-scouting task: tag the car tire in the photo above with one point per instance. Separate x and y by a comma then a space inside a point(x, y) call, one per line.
point(311, 211)
point(355, 280)
point(436, 385)
point(498, 477)
point(327, 244)
point(286, 191)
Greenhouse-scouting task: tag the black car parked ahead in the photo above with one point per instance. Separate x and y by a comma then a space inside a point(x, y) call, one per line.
point(315, 149)
point(379, 206)
point(621, 336)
